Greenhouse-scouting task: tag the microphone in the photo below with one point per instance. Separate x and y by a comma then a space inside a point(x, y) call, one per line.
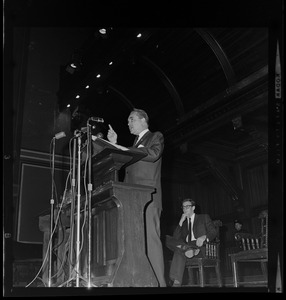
point(96, 119)
point(59, 135)
point(77, 133)
point(80, 132)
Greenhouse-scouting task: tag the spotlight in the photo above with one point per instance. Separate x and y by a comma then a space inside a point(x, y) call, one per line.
point(73, 65)
point(102, 31)
point(75, 62)
point(69, 69)
point(76, 65)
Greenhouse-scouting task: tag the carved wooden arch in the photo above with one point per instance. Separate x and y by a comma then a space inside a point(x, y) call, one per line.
point(125, 100)
point(219, 53)
point(168, 84)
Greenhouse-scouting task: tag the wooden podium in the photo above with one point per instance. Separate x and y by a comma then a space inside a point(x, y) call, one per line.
point(118, 245)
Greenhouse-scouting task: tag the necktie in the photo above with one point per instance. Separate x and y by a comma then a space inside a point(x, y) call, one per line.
point(136, 140)
point(190, 229)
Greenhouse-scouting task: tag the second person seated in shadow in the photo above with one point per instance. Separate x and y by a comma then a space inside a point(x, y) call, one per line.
point(189, 239)
point(239, 233)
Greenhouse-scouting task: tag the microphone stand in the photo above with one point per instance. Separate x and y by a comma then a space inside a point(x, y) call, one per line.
point(89, 155)
point(51, 217)
point(77, 269)
point(72, 208)
point(78, 214)
point(77, 266)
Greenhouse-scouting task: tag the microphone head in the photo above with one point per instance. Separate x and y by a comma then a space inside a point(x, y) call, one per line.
point(60, 135)
point(100, 135)
point(96, 119)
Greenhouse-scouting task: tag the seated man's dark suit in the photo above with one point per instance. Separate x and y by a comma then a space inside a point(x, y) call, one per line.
point(203, 225)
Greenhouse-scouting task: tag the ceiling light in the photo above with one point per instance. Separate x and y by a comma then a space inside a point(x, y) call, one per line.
point(73, 66)
point(69, 69)
point(76, 60)
point(102, 31)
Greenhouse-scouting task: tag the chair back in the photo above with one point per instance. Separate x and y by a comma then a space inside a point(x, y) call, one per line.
point(247, 241)
point(263, 216)
point(212, 247)
point(211, 259)
point(250, 241)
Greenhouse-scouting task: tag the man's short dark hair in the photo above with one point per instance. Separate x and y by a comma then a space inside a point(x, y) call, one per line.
point(141, 114)
point(193, 202)
point(238, 221)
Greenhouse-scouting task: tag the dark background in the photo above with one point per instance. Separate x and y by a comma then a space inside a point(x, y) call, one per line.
point(192, 72)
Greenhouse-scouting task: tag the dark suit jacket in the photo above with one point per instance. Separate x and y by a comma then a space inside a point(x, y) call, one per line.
point(203, 225)
point(148, 170)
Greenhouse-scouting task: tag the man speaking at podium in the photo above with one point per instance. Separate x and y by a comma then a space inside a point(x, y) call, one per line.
point(147, 172)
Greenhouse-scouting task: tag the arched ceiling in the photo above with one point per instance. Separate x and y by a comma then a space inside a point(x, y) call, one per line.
point(193, 82)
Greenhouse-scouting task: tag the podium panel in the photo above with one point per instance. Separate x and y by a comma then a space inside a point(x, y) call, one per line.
point(118, 237)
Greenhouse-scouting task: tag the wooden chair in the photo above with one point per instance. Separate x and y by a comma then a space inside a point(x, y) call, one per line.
point(211, 260)
point(254, 249)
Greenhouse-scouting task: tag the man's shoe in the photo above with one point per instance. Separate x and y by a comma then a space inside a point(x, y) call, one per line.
point(184, 247)
point(192, 252)
point(170, 283)
point(176, 283)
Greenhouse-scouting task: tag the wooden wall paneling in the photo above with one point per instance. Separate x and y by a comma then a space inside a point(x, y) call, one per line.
point(35, 196)
point(256, 187)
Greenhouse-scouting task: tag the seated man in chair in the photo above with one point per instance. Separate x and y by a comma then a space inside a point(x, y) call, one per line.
point(189, 239)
